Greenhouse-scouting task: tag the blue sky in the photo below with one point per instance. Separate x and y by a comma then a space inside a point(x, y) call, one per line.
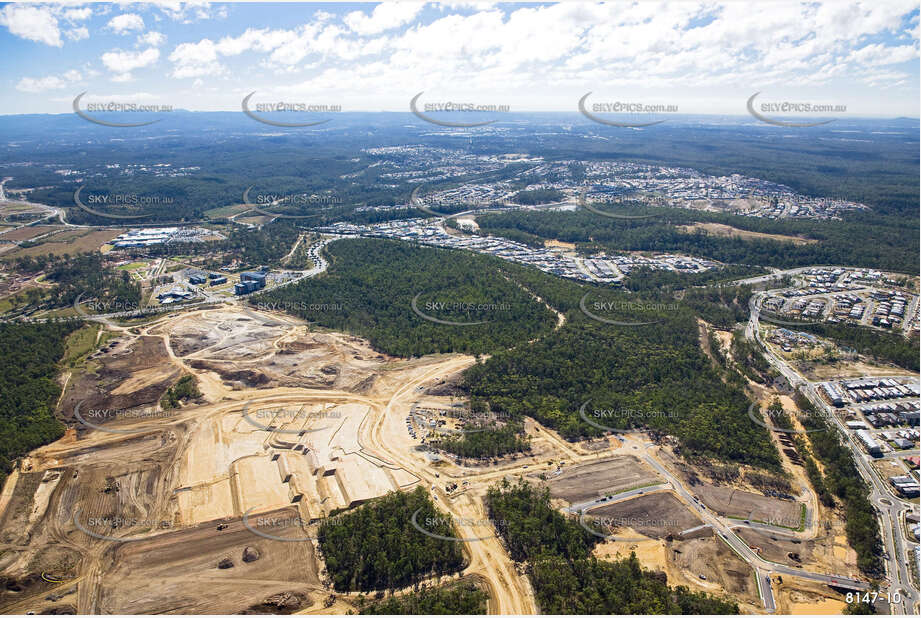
point(701, 57)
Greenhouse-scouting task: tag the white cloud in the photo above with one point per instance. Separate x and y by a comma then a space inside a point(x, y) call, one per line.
point(188, 12)
point(386, 16)
point(878, 54)
point(49, 82)
point(151, 39)
point(196, 60)
point(35, 23)
point(78, 14)
point(125, 23)
point(77, 34)
point(123, 62)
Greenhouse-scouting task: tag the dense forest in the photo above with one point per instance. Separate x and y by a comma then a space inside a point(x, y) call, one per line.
point(460, 598)
point(375, 283)
point(567, 579)
point(534, 370)
point(486, 443)
point(81, 276)
point(376, 547)
point(655, 376)
point(842, 480)
point(29, 355)
point(538, 196)
point(887, 243)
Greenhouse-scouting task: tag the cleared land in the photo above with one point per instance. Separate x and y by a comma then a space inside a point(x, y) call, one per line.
point(592, 480)
point(656, 515)
point(745, 505)
point(26, 233)
point(720, 229)
point(70, 242)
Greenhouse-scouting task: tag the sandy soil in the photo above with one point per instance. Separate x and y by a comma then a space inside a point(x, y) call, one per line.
point(719, 229)
point(592, 480)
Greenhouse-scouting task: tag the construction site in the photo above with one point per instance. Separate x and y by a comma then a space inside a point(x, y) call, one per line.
point(213, 507)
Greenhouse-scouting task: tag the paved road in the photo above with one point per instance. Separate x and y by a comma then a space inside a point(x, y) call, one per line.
point(898, 553)
point(585, 506)
point(320, 265)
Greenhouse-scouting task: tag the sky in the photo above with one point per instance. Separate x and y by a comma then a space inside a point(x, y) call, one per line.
point(700, 57)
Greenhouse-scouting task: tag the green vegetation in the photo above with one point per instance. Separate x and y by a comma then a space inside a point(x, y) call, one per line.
point(531, 528)
point(567, 579)
point(891, 347)
point(486, 443)
point(80, 343)
point(538, 196)
point(844, 482)
point(885, 242)
point(265, 245)
point(858, 608)
point(657, 372)
point(371, 285)
point(723, 307)
point(376, 547)
point(29, 355)
point(653, 376)
point(749, 358)
point(83, 277)
point(180, 392)
point(460, 598)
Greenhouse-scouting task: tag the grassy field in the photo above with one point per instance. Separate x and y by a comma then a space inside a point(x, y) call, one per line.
point(227, 211)
point(69, 242)
point(25, 233)
point(132, 266)
point(80, 343)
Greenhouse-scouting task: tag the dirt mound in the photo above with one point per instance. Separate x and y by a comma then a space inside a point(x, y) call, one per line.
point(250, 554)
point(248, 377)
point(298, 345)
point(449, 387)
point(365, 386)
point(281, 603)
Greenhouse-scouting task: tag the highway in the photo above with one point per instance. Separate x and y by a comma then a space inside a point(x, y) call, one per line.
point(890, 510)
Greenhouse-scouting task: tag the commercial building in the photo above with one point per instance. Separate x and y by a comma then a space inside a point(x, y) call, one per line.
point(249, 282)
